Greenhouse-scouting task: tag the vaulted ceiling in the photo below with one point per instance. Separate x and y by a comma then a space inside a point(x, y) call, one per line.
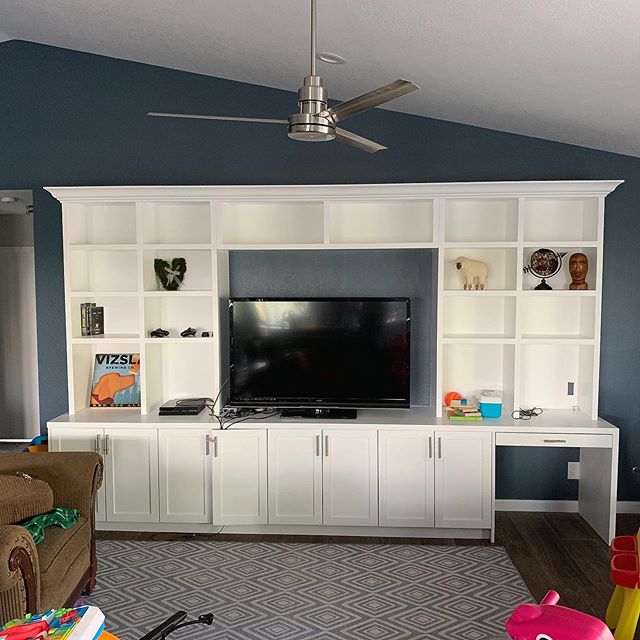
point(562, 70)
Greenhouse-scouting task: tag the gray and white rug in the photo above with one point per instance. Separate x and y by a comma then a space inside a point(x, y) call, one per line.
point(296, 591)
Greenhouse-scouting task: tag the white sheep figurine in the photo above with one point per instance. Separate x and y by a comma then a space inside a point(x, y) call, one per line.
point(473, 272)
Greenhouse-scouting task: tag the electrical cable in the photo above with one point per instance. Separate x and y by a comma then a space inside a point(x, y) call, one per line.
point(251, 416)
point(526, 414)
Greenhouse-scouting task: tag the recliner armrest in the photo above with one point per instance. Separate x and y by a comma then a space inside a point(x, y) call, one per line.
point(19, 565)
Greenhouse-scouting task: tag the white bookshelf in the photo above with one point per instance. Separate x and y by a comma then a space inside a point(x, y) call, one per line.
point(531, 344)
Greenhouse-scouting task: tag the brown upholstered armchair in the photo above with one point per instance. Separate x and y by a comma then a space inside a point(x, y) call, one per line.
point(55, 572)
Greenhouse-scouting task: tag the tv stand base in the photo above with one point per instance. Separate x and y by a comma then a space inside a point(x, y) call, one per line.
point(323, 414)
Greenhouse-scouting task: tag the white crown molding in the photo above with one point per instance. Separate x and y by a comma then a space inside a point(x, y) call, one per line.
point(341, 191)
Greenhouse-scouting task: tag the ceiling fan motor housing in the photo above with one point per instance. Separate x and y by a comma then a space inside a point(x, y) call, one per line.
point(307, 125)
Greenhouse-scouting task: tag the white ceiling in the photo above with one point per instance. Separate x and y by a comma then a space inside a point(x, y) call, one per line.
point(558, 69)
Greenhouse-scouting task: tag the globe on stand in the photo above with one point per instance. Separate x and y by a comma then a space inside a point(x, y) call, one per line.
point(543, 264)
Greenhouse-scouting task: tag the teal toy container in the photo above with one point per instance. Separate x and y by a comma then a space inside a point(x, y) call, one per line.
point(490, 404)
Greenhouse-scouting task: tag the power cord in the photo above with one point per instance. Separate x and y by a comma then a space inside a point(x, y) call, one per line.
point(251, 416)
point(176, 622)
point(525, 414)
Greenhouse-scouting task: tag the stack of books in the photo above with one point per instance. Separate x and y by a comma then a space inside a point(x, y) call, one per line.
point(464, 411)
point(91, 319)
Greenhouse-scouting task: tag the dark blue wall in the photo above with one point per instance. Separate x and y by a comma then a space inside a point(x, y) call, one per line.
point(68, 118)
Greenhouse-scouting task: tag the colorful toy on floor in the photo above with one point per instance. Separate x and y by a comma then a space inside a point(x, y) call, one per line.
point(80, 623)
point(548, 621)
point(624, 606)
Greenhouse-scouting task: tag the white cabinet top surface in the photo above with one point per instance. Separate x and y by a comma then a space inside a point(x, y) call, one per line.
point(555, 421)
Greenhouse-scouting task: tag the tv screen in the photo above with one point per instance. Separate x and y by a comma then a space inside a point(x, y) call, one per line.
point(337, 352)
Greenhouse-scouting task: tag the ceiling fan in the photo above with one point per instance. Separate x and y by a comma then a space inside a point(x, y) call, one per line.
point(315, 122)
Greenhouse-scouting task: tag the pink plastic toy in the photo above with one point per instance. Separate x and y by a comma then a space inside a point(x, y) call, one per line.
point(548, 621)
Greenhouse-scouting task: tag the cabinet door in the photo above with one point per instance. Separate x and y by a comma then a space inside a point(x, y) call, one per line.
point(240, 477)
point(406, 464)
point(295, 476)
point(82, 439)
point(184, 474)
point(463, 480)
point(131, 458)
point(350, 477)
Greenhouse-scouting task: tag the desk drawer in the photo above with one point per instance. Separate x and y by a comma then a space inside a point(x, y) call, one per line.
point(601, 441)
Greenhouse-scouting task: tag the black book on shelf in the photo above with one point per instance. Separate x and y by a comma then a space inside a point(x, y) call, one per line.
point(96, 321)
point(84, 317)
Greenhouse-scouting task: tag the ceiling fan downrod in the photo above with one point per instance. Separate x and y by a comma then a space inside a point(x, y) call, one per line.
point(307, 125)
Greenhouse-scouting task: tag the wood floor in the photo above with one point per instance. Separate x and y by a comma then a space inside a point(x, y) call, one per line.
point(550, 551)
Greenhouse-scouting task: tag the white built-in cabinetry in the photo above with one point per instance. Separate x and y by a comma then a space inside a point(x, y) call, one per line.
point(530, 344)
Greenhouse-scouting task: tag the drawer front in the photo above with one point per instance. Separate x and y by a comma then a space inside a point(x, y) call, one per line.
point(601, 441)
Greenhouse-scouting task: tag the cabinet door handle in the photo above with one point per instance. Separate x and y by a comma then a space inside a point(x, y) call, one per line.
point(106, 445)
point(215, 446)
point(326, 446)
point(553, 440)
point(98, 438)
point(430, 448)
point(208, 439)
point(318, 445)
point(439, 448)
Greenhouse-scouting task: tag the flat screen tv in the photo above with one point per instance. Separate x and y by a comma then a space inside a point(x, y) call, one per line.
point(319, 352)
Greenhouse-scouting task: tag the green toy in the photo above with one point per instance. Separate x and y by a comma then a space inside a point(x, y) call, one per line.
point(60, 516)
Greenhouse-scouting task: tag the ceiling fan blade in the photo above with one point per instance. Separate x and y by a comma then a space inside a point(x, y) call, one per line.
point(190, 116)
point(354, 140)
point(369, 100)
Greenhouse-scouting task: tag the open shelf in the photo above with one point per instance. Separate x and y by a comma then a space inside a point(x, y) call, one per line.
point(270, 223)
point(178, 370)
point(557, 317)
point(83, 359)
point(198, 276)
point(113, 223)
point(404, 221)
point(478, 317)
point(546, 371)
point(102, 271)
point(562, 280)
point(174, 314)
point(560, 219)
point(467, 368)
point(121, 316)
point(501, 264)
point(486, 220)
point(176, 223)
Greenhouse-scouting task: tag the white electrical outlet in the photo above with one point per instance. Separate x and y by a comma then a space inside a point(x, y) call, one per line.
point(573, 471)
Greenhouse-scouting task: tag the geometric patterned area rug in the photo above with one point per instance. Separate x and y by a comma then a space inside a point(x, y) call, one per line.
point(308, 591)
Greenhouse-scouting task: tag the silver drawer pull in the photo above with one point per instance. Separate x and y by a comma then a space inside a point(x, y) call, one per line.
point(554, 440)
point(98, 438)
point(430, 449)
point(318, 446)
point(326, 446)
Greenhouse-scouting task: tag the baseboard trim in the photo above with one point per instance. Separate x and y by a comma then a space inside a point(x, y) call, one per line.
point(562, 506)
point(628, 506)
point(559, 506)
